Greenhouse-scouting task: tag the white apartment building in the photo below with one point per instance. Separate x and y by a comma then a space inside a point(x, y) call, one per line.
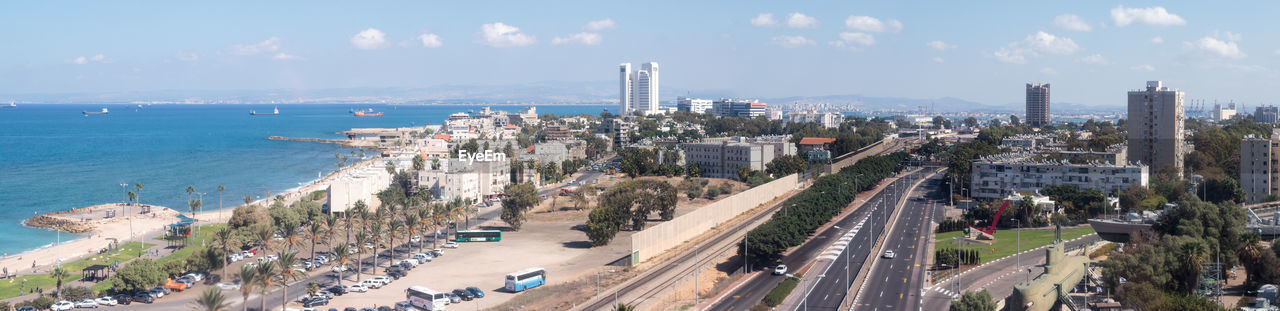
point(1259, 171)
point(460, 178)
point(694, 105)
point(638, 90)
point(998, 176)
point(721, 159)
point(826, 119)
point(358, 184)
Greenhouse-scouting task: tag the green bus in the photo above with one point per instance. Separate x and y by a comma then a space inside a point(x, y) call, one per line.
point(479, 236)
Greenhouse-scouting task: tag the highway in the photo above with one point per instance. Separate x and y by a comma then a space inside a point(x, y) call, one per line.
point(894, 283)
point(819, 247)
point(997, 277)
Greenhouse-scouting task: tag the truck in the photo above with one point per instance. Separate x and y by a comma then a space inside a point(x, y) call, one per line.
point(564, 191)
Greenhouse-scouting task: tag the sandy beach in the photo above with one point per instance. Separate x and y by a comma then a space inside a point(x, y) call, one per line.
point(129, 225)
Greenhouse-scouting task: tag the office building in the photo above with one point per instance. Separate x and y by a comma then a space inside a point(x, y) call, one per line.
point(1001, 175)
point(639, 89)
point(1037, 104)
point(693, 105)
point(1259, 171)
point(1156, 127)
point(738, 108)
point(721, 159)
point(826, 119)
point(1223, 112)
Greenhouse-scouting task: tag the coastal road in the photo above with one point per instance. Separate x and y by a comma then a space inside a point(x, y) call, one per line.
point(756, 287)
point(997, 277)
point(894, 283)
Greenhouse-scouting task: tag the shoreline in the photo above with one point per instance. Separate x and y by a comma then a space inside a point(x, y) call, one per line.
point(135, 227)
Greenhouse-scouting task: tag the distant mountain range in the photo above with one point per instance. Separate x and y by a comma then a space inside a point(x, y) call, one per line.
point(536, 93)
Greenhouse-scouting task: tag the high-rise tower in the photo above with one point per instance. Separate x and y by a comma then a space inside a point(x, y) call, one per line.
point(624, 88)
point(1037, 104)
point(1156, 127)
point(639, 89)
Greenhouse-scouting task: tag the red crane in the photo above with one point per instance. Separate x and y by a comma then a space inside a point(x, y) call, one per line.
point(991, 230)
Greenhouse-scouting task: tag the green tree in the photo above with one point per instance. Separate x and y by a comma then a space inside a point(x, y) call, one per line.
point(139, 274)
point(248, 280)
point(786, 165)
point(974, 301)
point(520, 198)
point(265, 279)
point(743, 172)
point(225, 239)
point(341, 252)
point(285, 265)
point(210, 300)
point(629, 201)
point(58, 274)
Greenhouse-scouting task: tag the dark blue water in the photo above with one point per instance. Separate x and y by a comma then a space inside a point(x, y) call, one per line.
point(54, 158)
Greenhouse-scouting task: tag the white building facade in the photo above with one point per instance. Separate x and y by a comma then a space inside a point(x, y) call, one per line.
point(999, 176)
point(638, 90)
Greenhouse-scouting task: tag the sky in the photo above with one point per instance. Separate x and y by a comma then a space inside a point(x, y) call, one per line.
point(1090, 51)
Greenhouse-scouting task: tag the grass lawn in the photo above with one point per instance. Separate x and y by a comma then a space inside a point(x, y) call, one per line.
point(9, 288)
point(1007, 241)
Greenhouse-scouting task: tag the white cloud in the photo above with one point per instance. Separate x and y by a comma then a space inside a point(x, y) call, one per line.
point(791, 41)
point(284, 56)
point(583, 38)
point(1157, 40)
point(938, 60)
point(81, 60)
point(764, 19)
point(1220, 44)
point(599, 25)
point(939, 45)
point(501, 35)
point(853, 40)
point(1048, 71)
point(430, 40)
point(1071, 22)
point(186, 56)
point(1152, 16)
point(270, 45)
point(369, 39)
point(1018, 52)
point(1095, 59)
point(798, 20)
point(1143, 67)
point(872, 24)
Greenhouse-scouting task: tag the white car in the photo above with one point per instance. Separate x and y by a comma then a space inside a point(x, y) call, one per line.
point(358, 288)
point(450, 244)
point(415, 239)
point(195, 276)
point(234, 257)
point(382, 278)
point(62, 306)
point(87, 303)
point(246, 254)
point(411, 262)
point(422, 258)
point(889, 254)
point(343, 268)
point(229, 285)
point(106, 301)
point(780, 270)
point(371, 283)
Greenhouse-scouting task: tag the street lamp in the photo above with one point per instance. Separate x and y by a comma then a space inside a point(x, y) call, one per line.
point(806, 295)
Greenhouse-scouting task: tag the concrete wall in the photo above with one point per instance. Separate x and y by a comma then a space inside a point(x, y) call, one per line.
point(659, 238)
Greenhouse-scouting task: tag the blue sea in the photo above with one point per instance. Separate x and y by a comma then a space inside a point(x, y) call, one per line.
point(52, 157)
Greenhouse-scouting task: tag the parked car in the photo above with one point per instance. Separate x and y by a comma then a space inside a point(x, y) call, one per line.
point(359, 288)
point(475, 291)
point(453, 298)
point(463, 294)
point(405, 306)
point(422, 258)
point(315, 301)
point(437, 252)
point(409, 263)
point(450, 244)
point(144, 297)
point(780, 270)
point(195, 276)
point(396, 274)
point(415, 239)
point(106, 301)
point(123, 299)
point(229, 285)
point(337, 290)
point(27, 308)
point(382, 279)
point(62, 306)
point(343, 268)
point(87, 303)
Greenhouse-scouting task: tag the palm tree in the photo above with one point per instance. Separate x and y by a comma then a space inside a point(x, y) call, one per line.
point(220, 189)
point(247, 200)
point(210, 300)
point(132, 196)
point(375, 236)
point(266, 278)
point(341, 252)
point(285, 263)
point(315, 229)
point(330, 228)
point(312, 288)
point(263, 234)
point(59, 274)
point(224, 238)
point(411, 223)
point(1193, 258)
point(424, 220)
point(289, 231)
point(248, 279)
point(392, 231)
point(361, 238)
point(190, 190)
point(624, 307)
point(139, 187)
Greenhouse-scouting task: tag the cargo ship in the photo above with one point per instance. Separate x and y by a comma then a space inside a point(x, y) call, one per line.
point(368, 113)
point(273, 112)
point(104, 111)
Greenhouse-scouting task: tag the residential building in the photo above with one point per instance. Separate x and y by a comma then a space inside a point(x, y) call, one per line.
point(1266, 114)
point(825, 119)
point(1223, 112)
point(738, 108)
point(474, 179)
point(694, 105)
point(1260, 166)
point(356, 185)
point(557, 133)
point(639, 89)
point(528, 115)
point(721, 159)
point(998, 176)
point(1115, 154)
point(817, 149)
point(1156, 127)
point(619, 129)
point(1037, 104)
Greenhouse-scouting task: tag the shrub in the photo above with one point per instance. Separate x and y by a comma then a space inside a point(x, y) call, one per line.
point(76, 293)
point(780, 292)
point(1102, 251)
point(41, 303)
point(138, 275)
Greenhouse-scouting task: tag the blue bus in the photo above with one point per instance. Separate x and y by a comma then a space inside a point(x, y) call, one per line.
point(526, 279)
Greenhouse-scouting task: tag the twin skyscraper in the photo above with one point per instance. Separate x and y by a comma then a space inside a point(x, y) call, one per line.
point(638, 90)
